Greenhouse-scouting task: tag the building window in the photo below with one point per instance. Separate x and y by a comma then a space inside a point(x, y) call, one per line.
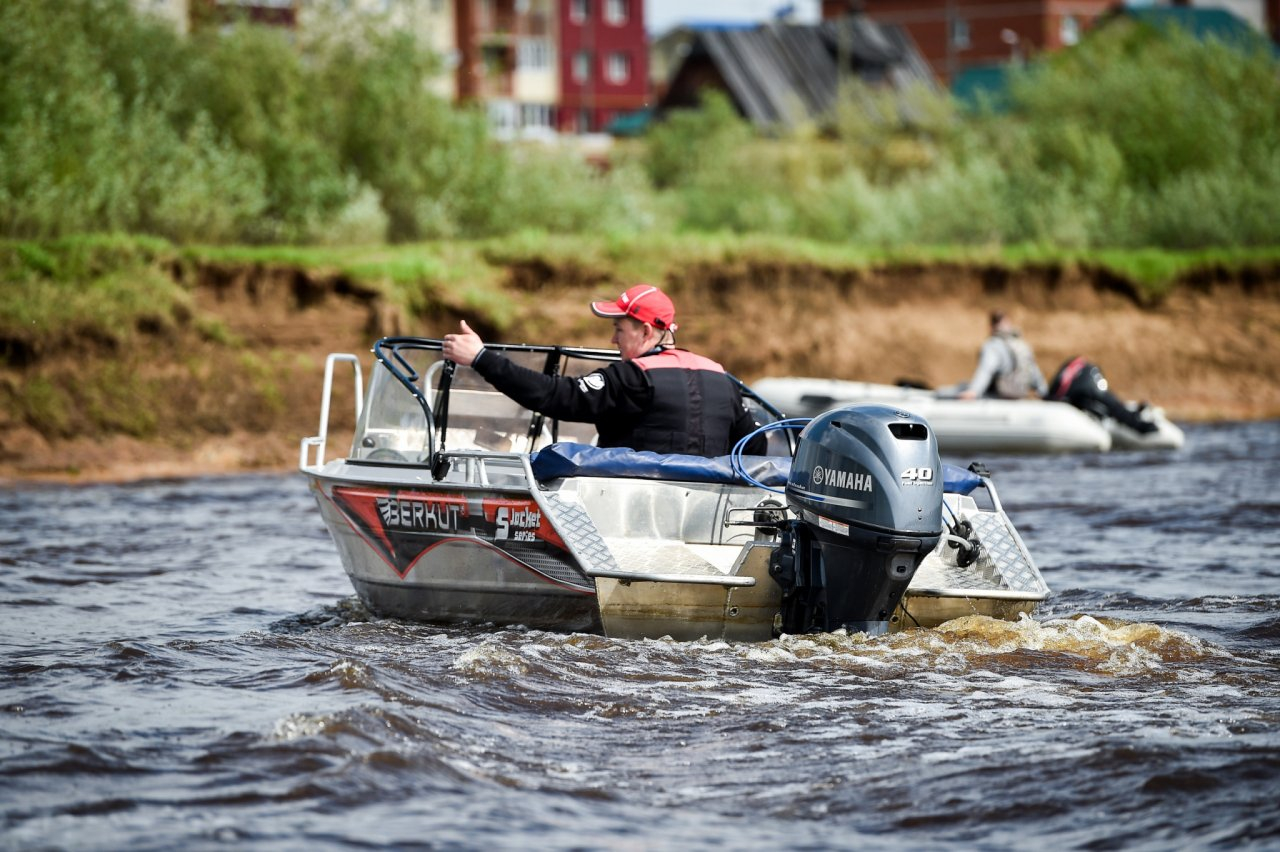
point(582, 66)
point(1069, 30)
point(616, 12)
point(534, 54)
point(578, 11)
point(535, 115)
point(502, 116)
point(617, 68)
point(584, 121)
point(959, 32)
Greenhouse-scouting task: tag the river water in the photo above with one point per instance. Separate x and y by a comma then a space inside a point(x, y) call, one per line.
point(185, 667)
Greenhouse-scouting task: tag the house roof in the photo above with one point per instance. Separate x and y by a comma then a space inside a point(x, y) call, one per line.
point(721, 26)
point(1218, 24)
point(1199, 22)
point(979, 84)
point(786, 74)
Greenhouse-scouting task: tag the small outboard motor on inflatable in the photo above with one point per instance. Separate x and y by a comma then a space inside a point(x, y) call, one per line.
point(1082, 384)
point(866, 486)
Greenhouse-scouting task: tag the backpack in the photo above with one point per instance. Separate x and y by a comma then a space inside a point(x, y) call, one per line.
point(1017, 382)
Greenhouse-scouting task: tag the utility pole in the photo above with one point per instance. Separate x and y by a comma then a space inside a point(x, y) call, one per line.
point(950, 36)
point(588, 38)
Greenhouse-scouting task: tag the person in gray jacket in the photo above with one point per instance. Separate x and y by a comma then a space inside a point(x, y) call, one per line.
point(1007, 366)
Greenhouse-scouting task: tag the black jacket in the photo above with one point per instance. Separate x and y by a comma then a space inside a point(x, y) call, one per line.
point(668, 401)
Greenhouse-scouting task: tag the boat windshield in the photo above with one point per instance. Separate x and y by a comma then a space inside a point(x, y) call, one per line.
point(415, 405)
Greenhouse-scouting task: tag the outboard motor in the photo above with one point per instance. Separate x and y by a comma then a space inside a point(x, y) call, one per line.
point(866, 487)
point(1082, 384)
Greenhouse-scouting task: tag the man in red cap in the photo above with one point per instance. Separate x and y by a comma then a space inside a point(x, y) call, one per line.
point(657, 398)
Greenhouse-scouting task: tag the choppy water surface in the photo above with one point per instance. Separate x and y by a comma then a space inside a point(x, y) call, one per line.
point(185, 667)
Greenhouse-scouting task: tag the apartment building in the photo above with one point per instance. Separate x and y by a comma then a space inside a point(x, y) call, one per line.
point(507, 53)
point(603, 63)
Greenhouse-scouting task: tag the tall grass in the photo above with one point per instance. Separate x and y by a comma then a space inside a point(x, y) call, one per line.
point(102, 290)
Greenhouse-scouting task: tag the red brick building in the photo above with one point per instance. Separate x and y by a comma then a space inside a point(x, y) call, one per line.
point(953, 35)
point(604, 62)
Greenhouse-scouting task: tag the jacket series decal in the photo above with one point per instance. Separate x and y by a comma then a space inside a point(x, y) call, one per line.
point(403, 525)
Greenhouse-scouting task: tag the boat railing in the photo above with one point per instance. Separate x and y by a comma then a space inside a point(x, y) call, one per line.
point(488, 469)
point(417, 429)
point(314, 447)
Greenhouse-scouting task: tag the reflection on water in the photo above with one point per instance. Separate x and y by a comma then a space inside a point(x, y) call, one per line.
point(185, 666)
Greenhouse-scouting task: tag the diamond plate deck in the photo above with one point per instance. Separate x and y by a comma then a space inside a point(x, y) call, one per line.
point(1002, 565)
point(577, 529)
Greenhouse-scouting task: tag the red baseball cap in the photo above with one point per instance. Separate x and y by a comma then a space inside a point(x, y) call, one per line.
point(643, 302)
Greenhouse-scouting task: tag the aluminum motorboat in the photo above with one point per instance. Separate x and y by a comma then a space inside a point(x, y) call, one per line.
point(454, 504)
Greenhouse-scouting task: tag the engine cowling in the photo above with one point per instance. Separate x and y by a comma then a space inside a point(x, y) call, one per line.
point(866, 487)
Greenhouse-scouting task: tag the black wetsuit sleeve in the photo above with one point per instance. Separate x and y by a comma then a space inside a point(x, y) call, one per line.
point(618, 390)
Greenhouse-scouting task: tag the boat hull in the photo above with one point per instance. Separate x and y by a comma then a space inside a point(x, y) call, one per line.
point(961, 426)
point(454, 555)
point(973, 426)
point(626, 558)
point(688, 611)
point(924, 609)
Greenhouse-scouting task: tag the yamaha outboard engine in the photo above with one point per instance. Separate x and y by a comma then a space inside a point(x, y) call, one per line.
point(866, 487)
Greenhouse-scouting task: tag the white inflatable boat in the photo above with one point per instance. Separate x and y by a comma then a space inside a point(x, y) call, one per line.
point(965, 426)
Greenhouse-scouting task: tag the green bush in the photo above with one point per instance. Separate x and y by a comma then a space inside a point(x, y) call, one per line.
point(261, 95)
point(549, 191)
point(689, 143)
point(95, 134)
point(398, 138)
point(1156, 138)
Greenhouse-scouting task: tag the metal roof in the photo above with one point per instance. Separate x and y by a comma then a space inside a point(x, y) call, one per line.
point(786, 74)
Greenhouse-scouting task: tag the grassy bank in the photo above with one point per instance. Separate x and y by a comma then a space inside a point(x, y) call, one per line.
point(104, 289)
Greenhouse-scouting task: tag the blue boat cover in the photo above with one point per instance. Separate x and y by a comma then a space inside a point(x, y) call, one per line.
point(570, 459)
point(957, 480)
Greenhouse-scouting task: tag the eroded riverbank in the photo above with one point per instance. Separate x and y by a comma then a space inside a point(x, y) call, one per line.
point(197, 402)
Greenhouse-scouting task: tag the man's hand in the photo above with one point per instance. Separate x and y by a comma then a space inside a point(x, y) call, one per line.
point(463, 348)
point(967, 393)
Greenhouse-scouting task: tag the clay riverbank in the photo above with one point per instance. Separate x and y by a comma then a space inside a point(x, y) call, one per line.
point(1209, 351)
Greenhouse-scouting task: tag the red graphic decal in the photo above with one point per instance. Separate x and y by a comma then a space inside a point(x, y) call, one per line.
point(519, 520)
point(401, 526)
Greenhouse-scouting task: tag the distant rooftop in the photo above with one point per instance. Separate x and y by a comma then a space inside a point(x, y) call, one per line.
point(707, 26)
point(1200, 22)
point(781, 74)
